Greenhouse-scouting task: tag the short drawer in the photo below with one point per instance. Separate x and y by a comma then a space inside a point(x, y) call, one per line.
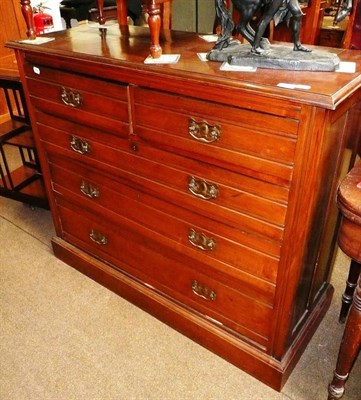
point(220, 247)
point(92, 102)
point(233, 206)
point(61, 131)
point(165, 271)
point(251, 142)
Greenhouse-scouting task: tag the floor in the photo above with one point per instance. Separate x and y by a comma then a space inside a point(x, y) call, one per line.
point(64, 337)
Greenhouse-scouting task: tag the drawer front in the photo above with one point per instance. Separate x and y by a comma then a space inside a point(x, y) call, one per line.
point(128, 251)
point(217, 246)
point(253, 143)
point(88, 101)
point(62, 129)
point(184, 185)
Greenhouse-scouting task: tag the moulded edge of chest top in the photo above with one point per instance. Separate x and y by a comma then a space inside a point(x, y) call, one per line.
point(229, 92)
point(133, 70)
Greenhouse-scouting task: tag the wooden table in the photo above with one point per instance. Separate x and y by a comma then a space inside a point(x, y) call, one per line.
point(154, 9)
point(349, 201)
point(154, 21)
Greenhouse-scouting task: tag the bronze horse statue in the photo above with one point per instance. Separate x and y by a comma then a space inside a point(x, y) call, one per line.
point(273, 9)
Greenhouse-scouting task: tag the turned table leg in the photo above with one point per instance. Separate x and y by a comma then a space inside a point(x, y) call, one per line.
point(351, 283)
point(154, 22)
point(349, 347)
point(101, 18)
point(27, 12)
point(122, 13)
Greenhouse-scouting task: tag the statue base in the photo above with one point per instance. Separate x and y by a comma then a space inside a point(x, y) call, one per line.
point(276, 57)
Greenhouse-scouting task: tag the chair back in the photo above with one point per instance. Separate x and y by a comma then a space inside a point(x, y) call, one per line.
point(15, 100)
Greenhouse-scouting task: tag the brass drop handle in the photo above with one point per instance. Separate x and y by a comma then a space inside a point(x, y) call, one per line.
point(203, 131)
point(88, 190)
point(202, 189)
point(71, 98)
point(202, 291)
point(201, 241)
point(98, 237)
point(79, 145)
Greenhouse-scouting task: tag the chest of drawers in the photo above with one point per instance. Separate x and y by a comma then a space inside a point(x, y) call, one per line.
point(204, 197)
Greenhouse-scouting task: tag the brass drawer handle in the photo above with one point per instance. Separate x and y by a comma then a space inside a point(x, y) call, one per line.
point(201, 241)
point(98, 237)
point(204, 132)
point(71, 98)
point(88, 190)
point(202, 189)
point(203, 291)
point(79, 145)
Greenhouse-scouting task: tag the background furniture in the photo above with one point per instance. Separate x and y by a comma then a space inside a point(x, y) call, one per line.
point(311, 24)
point(352, 37)
point(110, 12)
point(154, 9)
point(24, 181)
point(349, 201)
point(192, 192)
point(13, 26)
point(351, 284)
point(86, 11)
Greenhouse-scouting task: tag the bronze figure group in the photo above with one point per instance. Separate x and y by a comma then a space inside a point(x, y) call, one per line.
point(278, 10)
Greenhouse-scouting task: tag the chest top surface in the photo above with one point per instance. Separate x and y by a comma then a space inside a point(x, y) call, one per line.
point(87, 49)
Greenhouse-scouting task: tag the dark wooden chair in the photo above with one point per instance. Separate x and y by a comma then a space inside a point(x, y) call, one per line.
point(349, 239)
point(24, 181)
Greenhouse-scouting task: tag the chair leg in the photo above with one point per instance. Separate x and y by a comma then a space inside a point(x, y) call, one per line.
point(351, 283)
point(6, 179)
point(349, 347)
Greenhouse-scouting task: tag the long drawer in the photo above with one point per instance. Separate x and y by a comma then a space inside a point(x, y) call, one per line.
point(219, 246)
point(88, 101)
point(155, 171)
point(253, 143)
point(163, 269)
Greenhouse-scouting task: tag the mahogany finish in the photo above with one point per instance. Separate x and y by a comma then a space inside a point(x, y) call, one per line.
point(348, 295)
point(204, 197)
point(153, 7)
point(27, 12)
point(349, 201)
point(352, 38)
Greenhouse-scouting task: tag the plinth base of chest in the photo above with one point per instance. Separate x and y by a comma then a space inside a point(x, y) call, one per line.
point(265, 368)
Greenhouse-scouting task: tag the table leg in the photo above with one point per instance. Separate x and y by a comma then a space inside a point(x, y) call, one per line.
point(351, 283)
point(101, 18)
point(27, 12)
point(122, 13)
point(349, 347)
point(154, 22)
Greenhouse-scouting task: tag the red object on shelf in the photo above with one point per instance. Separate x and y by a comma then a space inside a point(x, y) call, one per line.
point(43, 23)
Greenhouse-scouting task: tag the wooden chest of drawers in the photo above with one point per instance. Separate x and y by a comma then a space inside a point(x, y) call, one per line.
point(204, 197)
